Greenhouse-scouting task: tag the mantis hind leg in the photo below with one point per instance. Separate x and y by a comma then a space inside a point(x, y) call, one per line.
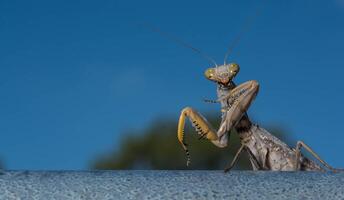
point(300, 144)
point(202, 127)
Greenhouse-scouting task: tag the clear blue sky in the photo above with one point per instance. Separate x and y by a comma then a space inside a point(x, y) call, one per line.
point(75, 75)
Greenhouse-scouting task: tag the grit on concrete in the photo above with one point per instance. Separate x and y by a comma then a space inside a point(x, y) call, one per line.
point(170, 185)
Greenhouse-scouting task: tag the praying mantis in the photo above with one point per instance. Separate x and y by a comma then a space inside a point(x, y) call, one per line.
point(266, 152)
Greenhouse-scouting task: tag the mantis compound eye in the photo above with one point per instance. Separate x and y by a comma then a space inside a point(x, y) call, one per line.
point(233, 69)
point(209, 73)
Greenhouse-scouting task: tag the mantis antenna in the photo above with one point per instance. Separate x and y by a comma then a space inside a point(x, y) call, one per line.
point(177, 40)
point(244, 29)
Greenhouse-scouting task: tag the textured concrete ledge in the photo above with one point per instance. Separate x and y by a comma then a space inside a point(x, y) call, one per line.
point(170, 184)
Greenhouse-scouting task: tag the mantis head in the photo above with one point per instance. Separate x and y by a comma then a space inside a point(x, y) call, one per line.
point(222, 74)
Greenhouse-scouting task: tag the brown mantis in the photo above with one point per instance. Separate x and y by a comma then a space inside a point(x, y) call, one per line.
point(266, 152)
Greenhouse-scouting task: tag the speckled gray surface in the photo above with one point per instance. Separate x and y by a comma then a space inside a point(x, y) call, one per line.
point(170, 185)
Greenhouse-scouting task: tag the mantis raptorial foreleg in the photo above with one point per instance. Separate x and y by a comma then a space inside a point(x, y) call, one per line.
point(201, 125)
point(239, 100)
point(298, 147)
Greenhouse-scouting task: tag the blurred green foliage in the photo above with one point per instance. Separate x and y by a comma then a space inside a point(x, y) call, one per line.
point(157, 147)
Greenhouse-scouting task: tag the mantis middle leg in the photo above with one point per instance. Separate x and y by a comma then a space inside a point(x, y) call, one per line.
point(235, 159)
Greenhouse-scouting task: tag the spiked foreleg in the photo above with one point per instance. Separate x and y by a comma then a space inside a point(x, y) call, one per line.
point(239, 100)
point(202, 127)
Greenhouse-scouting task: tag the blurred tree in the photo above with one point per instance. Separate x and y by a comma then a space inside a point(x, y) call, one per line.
point(1, 165)
point(157, 147)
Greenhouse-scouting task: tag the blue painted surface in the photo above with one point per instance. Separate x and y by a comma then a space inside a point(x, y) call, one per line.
point(170, 185)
